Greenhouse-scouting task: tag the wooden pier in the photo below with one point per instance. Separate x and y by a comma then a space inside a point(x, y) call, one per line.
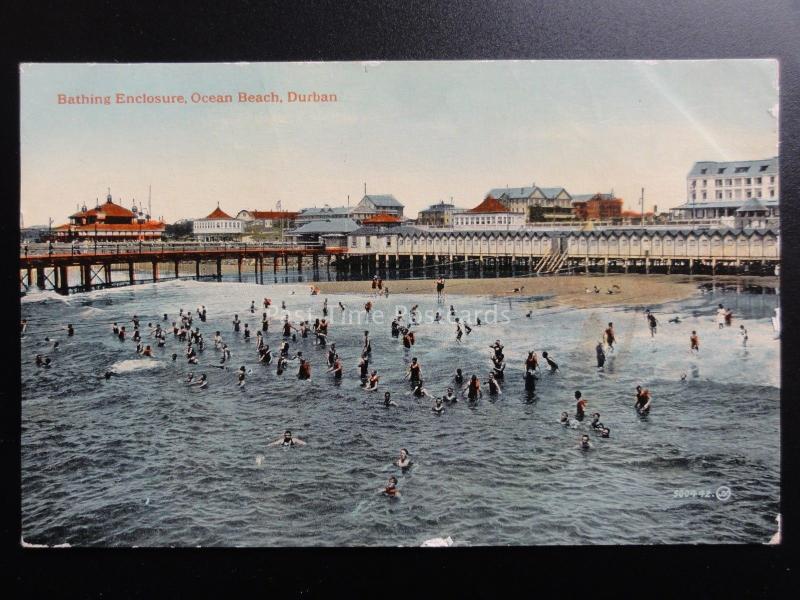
point(52, 269)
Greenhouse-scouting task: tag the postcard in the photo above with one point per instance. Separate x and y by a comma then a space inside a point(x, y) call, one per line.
point(465, 303)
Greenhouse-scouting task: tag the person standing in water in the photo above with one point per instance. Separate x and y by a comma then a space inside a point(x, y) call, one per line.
point(580, 407)
point(553, 366)
point(236, 323)
point(652, 323)
point(609, 336)
point(439, 288)
point(391, 488)
point(414, 371)
point(743, 334)
point(474, 389)
point(720, 316)
point(387, 400)
point(643, 399)
point(695, 342)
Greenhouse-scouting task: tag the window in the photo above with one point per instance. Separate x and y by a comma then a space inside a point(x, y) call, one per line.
point(694, 184)
point(737, 181)
point(718, 182)
point(703, 171)
point(705, 181)
point(728, 194)
point(772, 193)
point(772, 179)
point(694, 196)
point(719, 195)
point(353, 242)
point(758, 180)
point(748, 181)
point(720, 171)
point(367, 240)
point(704, 195)
point(738, 194)
point(388, 242)
point(728, 182)
point(763, 168)
point(741, 169)
point(749, 194)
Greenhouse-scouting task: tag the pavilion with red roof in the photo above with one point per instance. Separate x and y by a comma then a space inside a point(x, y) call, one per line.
point(109, 222)
point(217, 226)
point(489, 214)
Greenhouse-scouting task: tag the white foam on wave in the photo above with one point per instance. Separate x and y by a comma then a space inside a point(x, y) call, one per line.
point(43, 296)
point(91, 311)
point(131, 365)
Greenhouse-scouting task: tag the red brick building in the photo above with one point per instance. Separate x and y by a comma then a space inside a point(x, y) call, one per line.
point(597, 207)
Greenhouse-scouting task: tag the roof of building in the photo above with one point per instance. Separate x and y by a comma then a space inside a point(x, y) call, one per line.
point(383, 200)
point(552, 192)
point(511, 193)
point(768, 202)
point(587, 197)
point(325, 226)
point(218, 213)
point(751, 205)
point(489, 205)
point(272, 214)
point(324, 211)
point(107, 209)
point(381, 218)
point(742, 168)
point(146, 226)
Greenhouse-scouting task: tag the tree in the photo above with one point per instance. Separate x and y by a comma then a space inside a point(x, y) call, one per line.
point(178, 230)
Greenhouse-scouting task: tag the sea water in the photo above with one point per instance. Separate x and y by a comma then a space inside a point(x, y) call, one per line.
point(141, 459)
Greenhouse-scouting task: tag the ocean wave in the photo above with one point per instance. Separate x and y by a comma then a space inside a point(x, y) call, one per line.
point(131, 365)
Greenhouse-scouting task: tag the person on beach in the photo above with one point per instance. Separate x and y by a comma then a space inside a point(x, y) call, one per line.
point(287, 440)
point(580, 406)
point(439, 288)
point(728, 317)
point(695, 342)
point(609, 336)
point(387, 400)
point(743, 334)
point(553, 366)
point(391, 488)
point(403, 460)
point(374, 282)
point(643, 400)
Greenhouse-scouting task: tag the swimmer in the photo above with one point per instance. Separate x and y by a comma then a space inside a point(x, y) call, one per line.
point(236, 323)
point(605, 432)
point(743, 334)
point(580, 406)
point(202, 383)
point(304, 371)
point(450, 397)
point(241, 375)
point(70, 330)
point(675, 319)
point(584, 443)
point(39, 360)
point(596, 424)
point(109, 374)
point(174, 357)
point(46, 364)
point(564, 419)
point(336, 367)
point(147, 351)
point(391, 489)
point(404, 460)
point(438, 407)
point(474, 389)
point(287, 440)
point(372, 384)
point(414, 371)
point(115, 329)
point(601, 355)
point(458, 377)
point(494, 387)
point(246, 333)
point(387, 400)
point(643, 400)
point(553, 366)
point(695, 342)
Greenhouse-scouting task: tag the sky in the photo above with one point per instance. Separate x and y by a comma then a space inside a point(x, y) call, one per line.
point(422, 131)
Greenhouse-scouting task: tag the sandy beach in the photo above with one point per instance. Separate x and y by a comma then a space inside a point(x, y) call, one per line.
point(569, 291)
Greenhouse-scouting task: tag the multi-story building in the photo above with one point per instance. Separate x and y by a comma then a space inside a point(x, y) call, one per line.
point(438, 215)
point(536, 203)
point(324, 213)
point(109, 222)
point(717, 190)
point(217, 226)
point(489, 214)
point(372, 204)
point(267, 218)
point(596, 207)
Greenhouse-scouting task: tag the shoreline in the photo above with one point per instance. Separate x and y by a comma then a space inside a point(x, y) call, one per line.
point(561, 291)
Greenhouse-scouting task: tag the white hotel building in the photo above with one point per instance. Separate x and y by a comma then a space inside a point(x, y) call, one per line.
point(719, 190)
point(217, 226)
